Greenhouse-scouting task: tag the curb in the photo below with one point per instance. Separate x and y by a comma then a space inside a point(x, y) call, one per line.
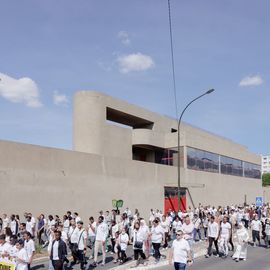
point(198, 254)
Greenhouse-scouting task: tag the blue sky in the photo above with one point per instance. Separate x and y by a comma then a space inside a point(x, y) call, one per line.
point(49, 49)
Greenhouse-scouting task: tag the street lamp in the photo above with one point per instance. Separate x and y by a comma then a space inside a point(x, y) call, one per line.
point(178, 144)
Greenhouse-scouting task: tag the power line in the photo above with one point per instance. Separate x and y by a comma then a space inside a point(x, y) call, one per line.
point(172, 62)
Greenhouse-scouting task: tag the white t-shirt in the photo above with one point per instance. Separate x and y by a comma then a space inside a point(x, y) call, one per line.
point(180, 250)
point(66, 226)
point(165, 226)
point(102, 232)
point(4, 248)
point(213, 229)
point(157, 234)
point(82, 235)
point(92, 232)
point(55, 247)
point(225, 229)
point(72, 234)
point(13, 251)
point(123, 240)
point(51, 223)
point(29, 246)
point(267, 229)
point(255, 225)
point(188, 230)
point(5, 222)
point(177, 225)
point(114, 230)
point(13, 225)
point(22, 254)
point(64, 236)
point(29, 227)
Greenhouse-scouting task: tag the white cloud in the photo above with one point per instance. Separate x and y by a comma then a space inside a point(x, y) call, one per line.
point(124, 37)
point(251, 81)
point(134, 62)
point(60, 99)
point(23, 90)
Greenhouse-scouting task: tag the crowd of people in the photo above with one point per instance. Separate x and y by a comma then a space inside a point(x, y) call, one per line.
point(228, 228)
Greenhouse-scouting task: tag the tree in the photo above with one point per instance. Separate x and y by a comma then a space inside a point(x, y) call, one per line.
point(266, 179)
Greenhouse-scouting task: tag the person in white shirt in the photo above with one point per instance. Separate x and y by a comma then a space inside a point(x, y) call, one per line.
point(176, 226)
point(267, 233)
point(82, 238)
point(180, 252)
point(22, 258)
point(14, 226)
point(224, 235)
point(157, 236)
point(255, 227)
point(197, 227)
point(5, 221)
point(29, 246)
point(4, 246)
point(72, 238)
point(188, 228)
point(77, 218)
point(139, 239)
point(101, 236)
point(66, 223)
point(123, 242)
point(114, 229)
point(212, 232)
point(29, 227)
point(242, 243)
point(57, 250)
point(165, 224)
point(92, 235)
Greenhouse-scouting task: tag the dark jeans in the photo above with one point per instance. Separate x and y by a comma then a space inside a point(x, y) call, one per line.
point(123, 255)
point(113, 244)
point(81, 258)
point(57, 264)
point(40, 241)
point(138, 252)
point(179, 266)
point(166, 240)
point(211, 240)
point(231, 243)
point(74, 254)
point(256, 235)
point(156, 247)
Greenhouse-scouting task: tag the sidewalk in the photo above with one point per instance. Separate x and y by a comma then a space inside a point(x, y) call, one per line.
point(199, 249)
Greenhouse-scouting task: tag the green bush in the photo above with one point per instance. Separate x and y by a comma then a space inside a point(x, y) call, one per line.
point(266, 179)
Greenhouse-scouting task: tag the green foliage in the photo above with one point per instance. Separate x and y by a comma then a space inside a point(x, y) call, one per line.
point(38, 248)
point(266, 179)
point(117, 203)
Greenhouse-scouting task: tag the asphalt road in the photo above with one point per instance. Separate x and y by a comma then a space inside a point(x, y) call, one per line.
point(44, 263)
point(257, 259)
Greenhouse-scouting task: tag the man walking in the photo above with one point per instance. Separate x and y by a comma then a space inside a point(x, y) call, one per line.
point(180, 252)
point(212, 232)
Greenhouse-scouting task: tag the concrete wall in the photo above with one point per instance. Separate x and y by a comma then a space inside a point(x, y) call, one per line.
point(40, 179)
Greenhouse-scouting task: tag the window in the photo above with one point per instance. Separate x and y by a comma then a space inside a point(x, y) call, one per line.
point(231, 166)
point(202, 160)
point(252, 170)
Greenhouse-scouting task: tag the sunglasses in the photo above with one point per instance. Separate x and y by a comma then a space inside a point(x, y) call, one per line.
point(179, 234)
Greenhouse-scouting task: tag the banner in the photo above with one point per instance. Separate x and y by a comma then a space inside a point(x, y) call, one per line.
point(7, 265)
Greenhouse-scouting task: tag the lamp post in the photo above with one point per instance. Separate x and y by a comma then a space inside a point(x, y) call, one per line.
point(178, 145)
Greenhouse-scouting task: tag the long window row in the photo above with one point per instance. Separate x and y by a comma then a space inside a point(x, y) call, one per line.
point(206, 161)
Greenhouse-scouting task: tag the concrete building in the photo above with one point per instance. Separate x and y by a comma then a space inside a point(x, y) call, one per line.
point(122, 151)
point(265, 164)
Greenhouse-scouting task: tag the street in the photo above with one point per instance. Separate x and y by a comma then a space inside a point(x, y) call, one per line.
point(258, 259)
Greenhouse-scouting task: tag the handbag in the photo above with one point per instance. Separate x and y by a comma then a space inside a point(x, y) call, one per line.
point(137, 244)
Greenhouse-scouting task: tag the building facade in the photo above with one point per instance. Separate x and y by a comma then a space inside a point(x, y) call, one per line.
point(122, 151)
point(265, 164)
